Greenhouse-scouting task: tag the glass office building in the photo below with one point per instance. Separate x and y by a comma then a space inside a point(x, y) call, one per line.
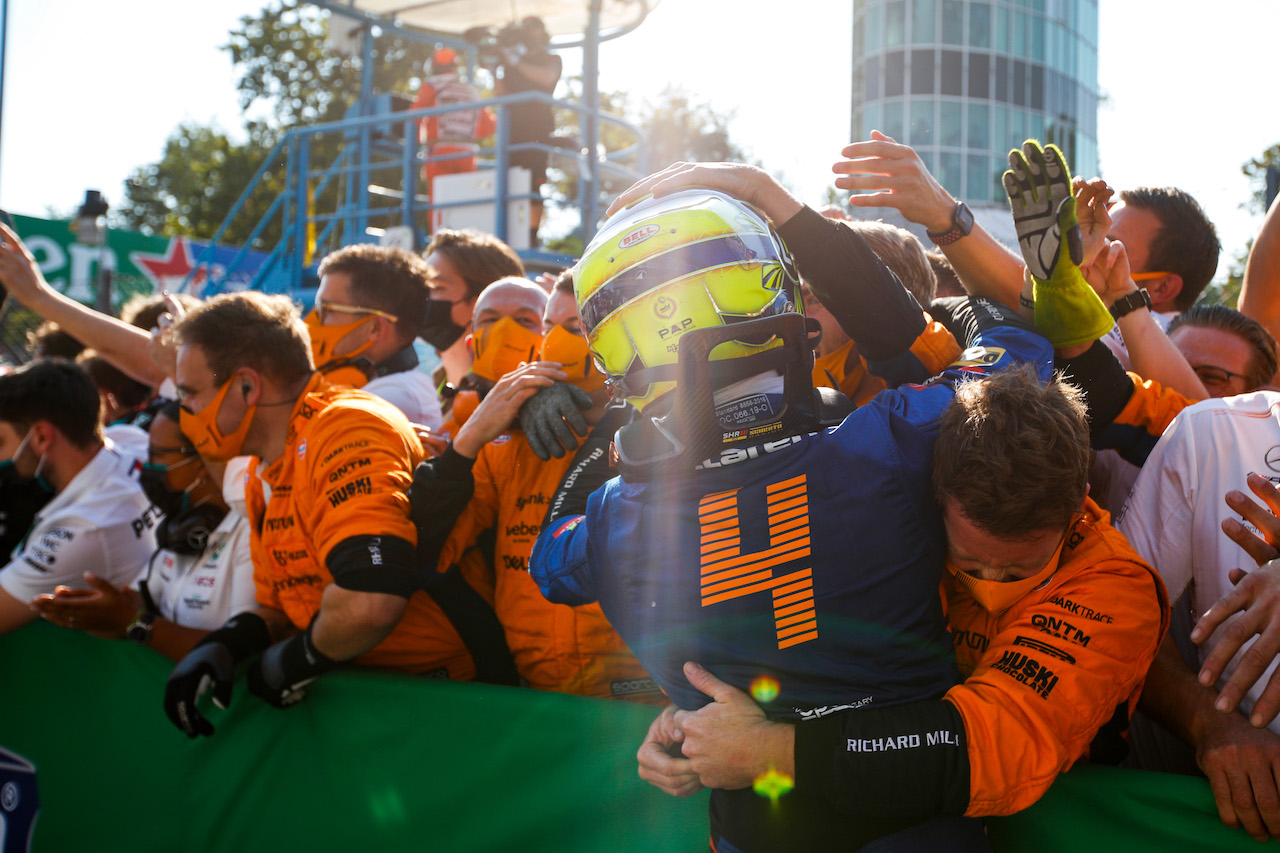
point(963, 81)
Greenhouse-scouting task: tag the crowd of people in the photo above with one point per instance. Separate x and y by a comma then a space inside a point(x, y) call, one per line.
point(911, 531)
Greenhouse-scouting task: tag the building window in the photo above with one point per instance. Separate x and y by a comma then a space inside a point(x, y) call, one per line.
point(893, 74)
point(979, 71)
point(1019, 83)
point(951, 124)
point(952, 80)
point(1037, 87)
point(922, 122)
point(871, 68)
point(1002, 30)
point(893, 126)
point(924, 22)
point(871, 120)
point(874, 33)
point(979, 25)
point(949, 172)
point(895, 25)
point(1018, 40)
point(952, 22)
point(979, 116)
point(977, 182)
point(922, 72)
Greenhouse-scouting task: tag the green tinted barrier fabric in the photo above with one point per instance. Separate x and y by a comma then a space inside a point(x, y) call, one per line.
point(369, 762)
point(382, 762)
point(1103, 809)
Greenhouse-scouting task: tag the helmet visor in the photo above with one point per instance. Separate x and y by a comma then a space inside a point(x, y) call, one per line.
point(679, 263)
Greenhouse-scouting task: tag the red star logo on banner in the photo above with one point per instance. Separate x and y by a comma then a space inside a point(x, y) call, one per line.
point(170, 271)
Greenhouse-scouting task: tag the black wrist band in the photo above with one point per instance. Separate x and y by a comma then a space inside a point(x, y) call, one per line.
point(1128, 304)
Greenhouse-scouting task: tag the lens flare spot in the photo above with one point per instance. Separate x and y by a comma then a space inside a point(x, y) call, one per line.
point(773, 784)
point(764, 689)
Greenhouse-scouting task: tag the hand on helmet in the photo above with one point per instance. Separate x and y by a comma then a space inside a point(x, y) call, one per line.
point(745, 183)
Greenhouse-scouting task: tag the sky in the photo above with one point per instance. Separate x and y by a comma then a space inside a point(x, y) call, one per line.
point(92, 90)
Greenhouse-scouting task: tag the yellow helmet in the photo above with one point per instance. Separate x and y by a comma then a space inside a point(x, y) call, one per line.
point(665, 266)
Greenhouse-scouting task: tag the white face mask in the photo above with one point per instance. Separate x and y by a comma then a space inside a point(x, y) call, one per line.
point(12, 461)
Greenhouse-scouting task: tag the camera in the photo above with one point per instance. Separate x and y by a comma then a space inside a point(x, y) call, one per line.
point(495, 47)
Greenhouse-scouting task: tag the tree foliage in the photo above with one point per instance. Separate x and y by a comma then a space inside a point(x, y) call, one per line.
point(678, 126)
point(1256, 170)
point(284, 62)
point(191, 188)
point(1227, 291)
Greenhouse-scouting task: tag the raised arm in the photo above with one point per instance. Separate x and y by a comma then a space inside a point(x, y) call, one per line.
point(1151, 354)
point(123, 345)
point(885, 173)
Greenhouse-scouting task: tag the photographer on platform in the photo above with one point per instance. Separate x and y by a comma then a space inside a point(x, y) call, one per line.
point(525, 65)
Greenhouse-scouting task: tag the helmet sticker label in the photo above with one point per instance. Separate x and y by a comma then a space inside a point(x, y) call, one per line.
point(639, 235)
point(746, 410)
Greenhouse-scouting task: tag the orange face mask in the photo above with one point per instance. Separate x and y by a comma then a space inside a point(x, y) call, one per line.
point(572, 352)
point(832, 363)
point(998, 596)
point(337, 369)
point(501, 347)
point(201, 429)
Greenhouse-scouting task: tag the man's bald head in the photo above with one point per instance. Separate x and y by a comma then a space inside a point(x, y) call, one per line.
point(514, 297)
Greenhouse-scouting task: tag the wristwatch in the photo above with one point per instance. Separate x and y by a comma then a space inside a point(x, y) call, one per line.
point(139, 630)
point(961, 225)
point(1128, 304)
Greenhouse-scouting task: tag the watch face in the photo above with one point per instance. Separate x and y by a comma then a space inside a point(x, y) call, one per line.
point(963, 217)
point(140, 631)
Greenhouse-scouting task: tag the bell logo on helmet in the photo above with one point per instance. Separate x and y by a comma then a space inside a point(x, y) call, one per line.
point(639, 235)
point(664, 307)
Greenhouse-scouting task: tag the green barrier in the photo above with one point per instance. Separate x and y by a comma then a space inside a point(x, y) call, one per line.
point(1104, 809)
point(386, 762)
point(369, 762)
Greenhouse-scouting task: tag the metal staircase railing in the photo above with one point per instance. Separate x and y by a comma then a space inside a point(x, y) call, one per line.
point(374, 182)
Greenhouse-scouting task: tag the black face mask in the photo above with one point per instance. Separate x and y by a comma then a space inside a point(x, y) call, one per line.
point(165, 499)
point(20, 499)
point(185, 528)
point(438, 329)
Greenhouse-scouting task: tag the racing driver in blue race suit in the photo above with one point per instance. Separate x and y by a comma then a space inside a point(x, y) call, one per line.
point(755, 528)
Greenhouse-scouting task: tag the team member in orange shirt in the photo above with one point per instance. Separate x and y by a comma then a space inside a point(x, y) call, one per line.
point(556, 647)
point(331, 537)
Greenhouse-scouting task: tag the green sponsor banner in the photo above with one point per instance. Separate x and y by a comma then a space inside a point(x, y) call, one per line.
point(370, 761)
point(374, 761)
point(1104, 809)
point(74, 269)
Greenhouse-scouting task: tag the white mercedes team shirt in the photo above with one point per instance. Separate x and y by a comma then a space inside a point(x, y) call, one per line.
point(101, 523)
point(204, 590)
point(411, 392)
point(1174, 515)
